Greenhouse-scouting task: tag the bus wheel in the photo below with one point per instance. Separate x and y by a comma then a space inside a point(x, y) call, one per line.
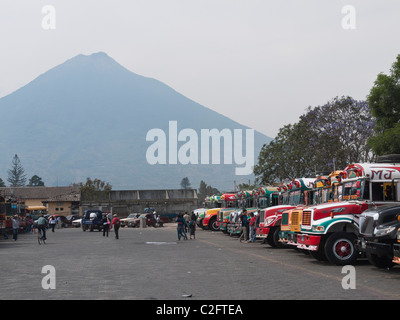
point(318, 255)
point(340, 249)
point(212, 224)
point(277, 243)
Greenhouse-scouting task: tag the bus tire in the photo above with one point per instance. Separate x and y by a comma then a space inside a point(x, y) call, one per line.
point(340, 249)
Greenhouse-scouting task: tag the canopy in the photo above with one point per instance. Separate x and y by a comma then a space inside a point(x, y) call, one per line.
point(31, 208)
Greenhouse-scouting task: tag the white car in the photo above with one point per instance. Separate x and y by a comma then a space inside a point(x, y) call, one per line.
point(76, 223)
point(128, 219)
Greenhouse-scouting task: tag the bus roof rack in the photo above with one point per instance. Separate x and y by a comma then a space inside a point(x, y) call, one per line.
point(388, 158)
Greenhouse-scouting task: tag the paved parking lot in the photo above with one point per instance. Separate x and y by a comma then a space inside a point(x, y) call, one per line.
point(150, 264)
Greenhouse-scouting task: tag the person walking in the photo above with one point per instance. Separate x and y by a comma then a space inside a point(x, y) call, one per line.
point(187, 219)
point(116, 222)
point(245, 225)
point(252, 226)
point(15, 226)
point(52, 223)
point(192, 227)
point(106, 224)
point(181, 227)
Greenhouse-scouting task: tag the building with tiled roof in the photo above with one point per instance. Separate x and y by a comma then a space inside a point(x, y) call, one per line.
point(57, 200)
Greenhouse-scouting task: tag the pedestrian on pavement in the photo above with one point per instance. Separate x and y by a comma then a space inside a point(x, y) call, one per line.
point(192, 227)
point(117, 223)
point(29, 222)
point(106, 224)
point(187, 219)
point(252, 226)
point(15, 226)
point(59, 223)
point(181, 227)
point(258, 218)
point(154, 219)
point(245, 225)
point(52, 223)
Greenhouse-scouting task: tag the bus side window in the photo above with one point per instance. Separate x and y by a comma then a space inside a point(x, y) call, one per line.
point(388, 192)
point(366, 191)
point(377, 191)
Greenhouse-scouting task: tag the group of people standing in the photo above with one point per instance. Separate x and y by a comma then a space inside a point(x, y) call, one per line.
point(186, 223)
point(250, 225)
point(41, 224)
point(108, 224)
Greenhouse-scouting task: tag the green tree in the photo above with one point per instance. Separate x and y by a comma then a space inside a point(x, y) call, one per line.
point(2, 184)
point(35, 181)
point(284, 157)
point(326, 138)
point(205, 190)
point(95, 190)
point(338, 133)
point(95, 185)
point(16, 175)
point(384, 101)
point(185, 183)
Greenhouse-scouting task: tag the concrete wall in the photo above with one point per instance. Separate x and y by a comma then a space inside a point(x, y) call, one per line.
point(124, 202)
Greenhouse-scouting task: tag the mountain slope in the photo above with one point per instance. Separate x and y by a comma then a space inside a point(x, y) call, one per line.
point(89, 117)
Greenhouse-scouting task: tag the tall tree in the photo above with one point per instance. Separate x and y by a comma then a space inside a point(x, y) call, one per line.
point(185, 183)
point(95, 185)
point(35, 181)
point(205, 190)
point(95, 189)
point(16, 175)
point(339, 132)
point(384, 101)
point(283, 158)
point(326, 137)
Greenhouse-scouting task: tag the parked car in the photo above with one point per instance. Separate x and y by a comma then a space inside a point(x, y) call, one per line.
point(64, 221)
point(77, 223)
point(150, 221)
point(92, 220)
point(72, 217)
point(131, 217)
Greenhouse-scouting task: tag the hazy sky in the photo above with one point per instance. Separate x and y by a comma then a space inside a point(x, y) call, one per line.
point(260, 62)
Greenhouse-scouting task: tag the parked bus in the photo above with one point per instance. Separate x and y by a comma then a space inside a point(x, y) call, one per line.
point(330, 230)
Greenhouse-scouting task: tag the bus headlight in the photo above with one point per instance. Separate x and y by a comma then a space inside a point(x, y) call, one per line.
point(380, 232)
point(269, 221)
point(318, 228)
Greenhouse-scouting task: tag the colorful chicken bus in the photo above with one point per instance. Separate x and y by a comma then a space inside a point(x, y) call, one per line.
point(267, 197)
point(230, 204)
point(329, 231)
point(235, 225)
point(270, 221)
point(325, 189)
point(212, 205)
point(290, 221)
point(245, 200)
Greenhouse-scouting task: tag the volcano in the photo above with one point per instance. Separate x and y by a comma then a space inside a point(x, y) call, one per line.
point(91, 117)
